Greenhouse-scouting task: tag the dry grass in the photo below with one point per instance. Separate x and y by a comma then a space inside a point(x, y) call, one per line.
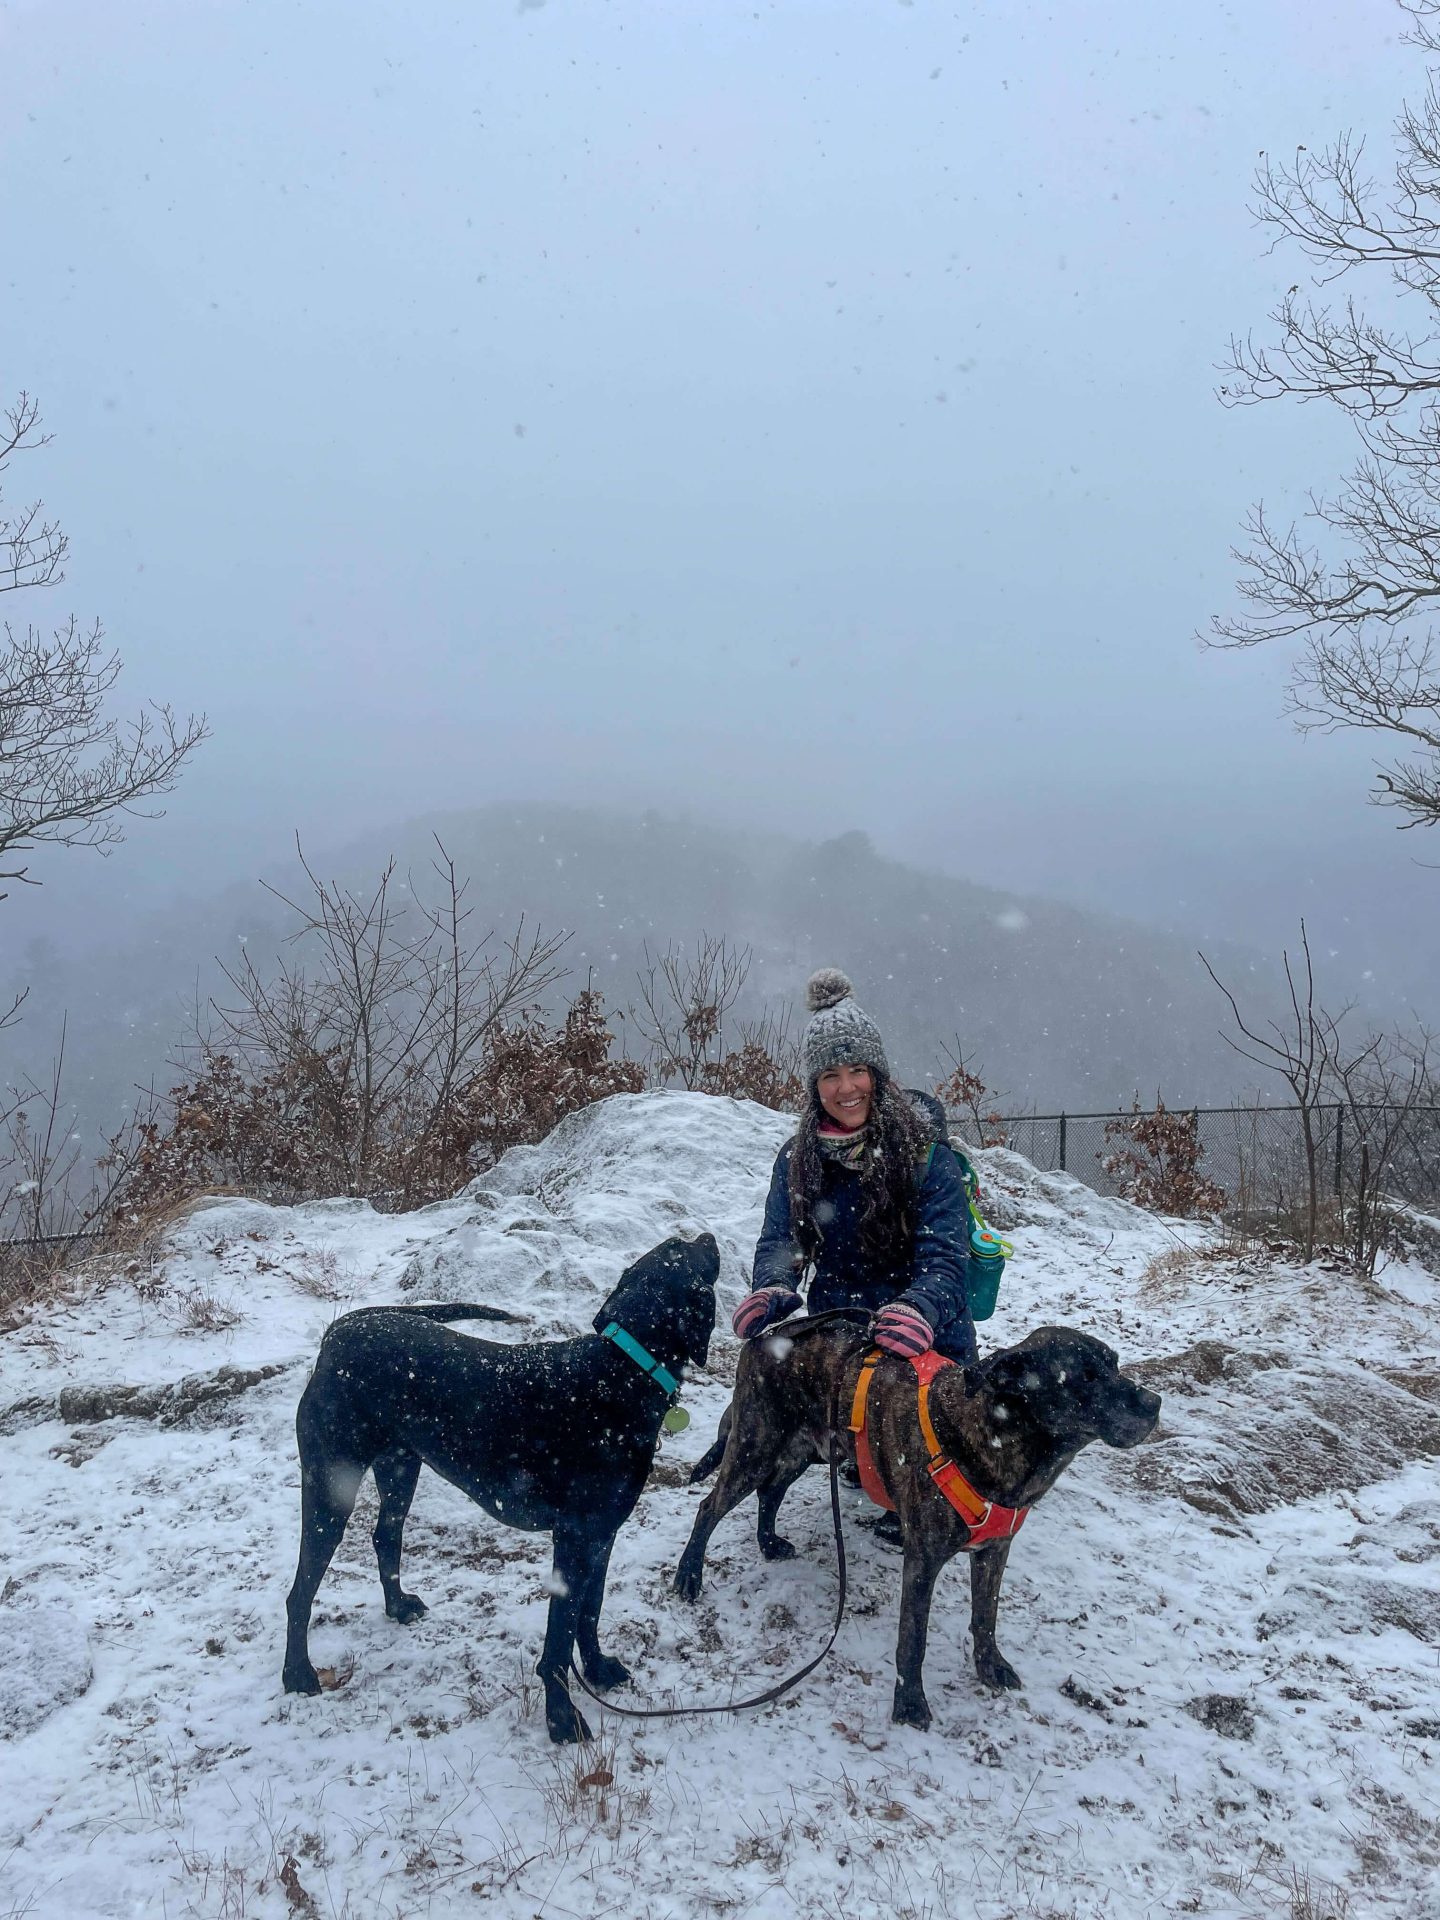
point(198, 1310)
point(1311, 1900)
point(32, 1277)
point(585, 1791)
point(1166, 1273)
point(323, 1275)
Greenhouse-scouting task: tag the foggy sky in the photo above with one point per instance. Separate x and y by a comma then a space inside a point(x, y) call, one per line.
point(799, 416)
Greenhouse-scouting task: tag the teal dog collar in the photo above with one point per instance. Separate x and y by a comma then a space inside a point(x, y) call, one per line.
point(646, 1362)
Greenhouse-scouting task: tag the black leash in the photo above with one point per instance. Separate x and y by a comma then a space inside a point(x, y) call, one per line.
point(784, 1686)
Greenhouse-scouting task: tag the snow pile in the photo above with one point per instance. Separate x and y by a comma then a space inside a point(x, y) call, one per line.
point(1228, 1638)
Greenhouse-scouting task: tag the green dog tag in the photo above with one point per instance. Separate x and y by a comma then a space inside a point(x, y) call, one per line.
point(676, 1420)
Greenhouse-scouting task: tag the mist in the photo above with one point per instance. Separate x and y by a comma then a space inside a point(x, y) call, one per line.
point(794, 420)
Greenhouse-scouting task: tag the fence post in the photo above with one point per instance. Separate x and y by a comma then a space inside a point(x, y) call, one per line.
point(1339, 1151)
point(1062, 1143)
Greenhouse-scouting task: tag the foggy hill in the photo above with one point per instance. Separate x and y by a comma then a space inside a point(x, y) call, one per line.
point(1055, 1006)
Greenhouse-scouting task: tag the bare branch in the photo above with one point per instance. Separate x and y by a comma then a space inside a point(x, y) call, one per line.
point(32, 549)
point(1359, 595)
point(368, 1034)
point(683, 1004)
point(1301, 1052)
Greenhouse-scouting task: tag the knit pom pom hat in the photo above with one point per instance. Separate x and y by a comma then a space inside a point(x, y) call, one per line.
point(838, 1033)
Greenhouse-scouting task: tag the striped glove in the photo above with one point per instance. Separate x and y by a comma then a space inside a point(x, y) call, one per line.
point(758, 1309)
point(902, 1330)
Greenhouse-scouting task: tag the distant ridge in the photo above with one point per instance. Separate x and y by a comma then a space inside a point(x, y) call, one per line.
point(1056, 1006)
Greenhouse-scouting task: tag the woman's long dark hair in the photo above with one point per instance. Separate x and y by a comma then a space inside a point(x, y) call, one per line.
point(895, 1142)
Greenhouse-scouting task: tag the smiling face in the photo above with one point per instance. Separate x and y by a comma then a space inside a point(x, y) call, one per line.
point(846, 1093)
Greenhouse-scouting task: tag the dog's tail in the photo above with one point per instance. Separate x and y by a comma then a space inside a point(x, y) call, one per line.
point(707, 1463)
point(459, 1310)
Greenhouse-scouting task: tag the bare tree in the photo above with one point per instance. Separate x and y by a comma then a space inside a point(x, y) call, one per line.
point(1360, 593)
point(683, 1004)
point(69, 773)
point(1383, 1081)
point(1302, 1052)
point(683, 1007)
point(33, 549)
point(340, 1072)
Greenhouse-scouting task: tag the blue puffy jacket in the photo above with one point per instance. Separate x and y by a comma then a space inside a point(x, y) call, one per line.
point(932, 1280)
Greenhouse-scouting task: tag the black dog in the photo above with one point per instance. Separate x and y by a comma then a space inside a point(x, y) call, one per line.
point(552, 1438)
point(1012, 1424)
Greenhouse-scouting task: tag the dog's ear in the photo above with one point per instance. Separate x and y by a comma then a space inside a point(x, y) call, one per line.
point(1011, 1370)
point(700, 1270)
point(697, 1321)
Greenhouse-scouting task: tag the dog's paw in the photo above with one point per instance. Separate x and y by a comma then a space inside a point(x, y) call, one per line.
point(298, 1679)
point(997, 1673)
point(886, 1531)
point(405, 1608)
point(912, 1710)
point(777, 1548)
point(566, 1724)
point(606, 1672)
point(689, 1579)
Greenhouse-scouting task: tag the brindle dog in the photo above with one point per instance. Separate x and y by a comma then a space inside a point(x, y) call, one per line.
point(1012, 1424)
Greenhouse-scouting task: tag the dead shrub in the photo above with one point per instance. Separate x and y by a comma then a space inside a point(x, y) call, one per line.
point(392, 1056)
point(752, 1072)
point(964, 1091)
point(276, 1134)
point(531, 1075)
point(1157, 1163)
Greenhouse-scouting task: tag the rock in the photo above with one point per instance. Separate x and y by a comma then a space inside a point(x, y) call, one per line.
point(1224, 1713)
point(177, 1403)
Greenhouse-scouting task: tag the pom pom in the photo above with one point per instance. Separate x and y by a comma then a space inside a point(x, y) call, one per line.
point(826, 989)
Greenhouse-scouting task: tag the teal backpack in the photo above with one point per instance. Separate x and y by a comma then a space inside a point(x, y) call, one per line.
point(988, 1252)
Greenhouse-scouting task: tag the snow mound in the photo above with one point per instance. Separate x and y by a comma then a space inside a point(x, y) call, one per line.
point(47, 1665)
point(1016, 1195)
point(553, 1226)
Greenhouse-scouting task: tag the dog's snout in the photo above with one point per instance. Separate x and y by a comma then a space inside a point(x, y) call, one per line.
point(1134, 1413)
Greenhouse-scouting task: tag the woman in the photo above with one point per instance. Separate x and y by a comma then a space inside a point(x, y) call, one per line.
point(862, 1197)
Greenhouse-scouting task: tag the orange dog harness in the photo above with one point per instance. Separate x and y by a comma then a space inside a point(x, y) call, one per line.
point(984, 1518)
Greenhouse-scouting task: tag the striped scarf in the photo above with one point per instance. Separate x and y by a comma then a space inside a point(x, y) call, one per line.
point(846, 1149)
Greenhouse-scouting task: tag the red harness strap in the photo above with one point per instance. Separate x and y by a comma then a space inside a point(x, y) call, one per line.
point(985, 1519)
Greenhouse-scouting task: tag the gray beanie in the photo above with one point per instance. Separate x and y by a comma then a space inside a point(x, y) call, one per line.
point(838, 1033)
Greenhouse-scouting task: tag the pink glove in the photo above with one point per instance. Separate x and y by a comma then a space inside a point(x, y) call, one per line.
point(902, 1330)
point(758, 1309)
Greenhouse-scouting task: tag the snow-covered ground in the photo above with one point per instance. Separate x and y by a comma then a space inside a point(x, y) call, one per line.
point(1230, 1639)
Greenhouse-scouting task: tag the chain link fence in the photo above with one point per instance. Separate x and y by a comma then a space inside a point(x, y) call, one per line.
point(1256, 1155)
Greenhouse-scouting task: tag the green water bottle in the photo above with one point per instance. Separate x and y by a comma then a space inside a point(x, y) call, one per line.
point(987, 1263)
